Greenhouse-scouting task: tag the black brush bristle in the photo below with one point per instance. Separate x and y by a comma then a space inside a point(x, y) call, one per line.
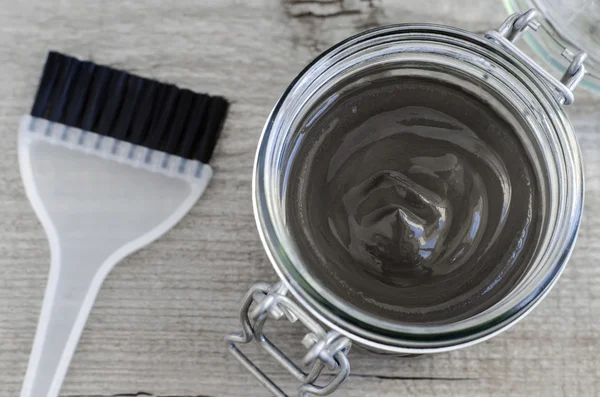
point(130, 108)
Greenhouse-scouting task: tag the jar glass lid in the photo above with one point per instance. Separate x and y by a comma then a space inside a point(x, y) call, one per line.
point(572, 24)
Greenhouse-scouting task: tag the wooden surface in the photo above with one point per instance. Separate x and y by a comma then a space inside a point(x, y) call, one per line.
point(158, 324)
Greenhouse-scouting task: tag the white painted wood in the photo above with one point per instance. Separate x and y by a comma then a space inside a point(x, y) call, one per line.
point(158, 324)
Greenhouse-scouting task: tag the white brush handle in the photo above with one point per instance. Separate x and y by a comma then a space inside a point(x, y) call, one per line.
point(67, 303)
point(98, 200)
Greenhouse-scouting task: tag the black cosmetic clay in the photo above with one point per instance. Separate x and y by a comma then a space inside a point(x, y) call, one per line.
point(412, 200)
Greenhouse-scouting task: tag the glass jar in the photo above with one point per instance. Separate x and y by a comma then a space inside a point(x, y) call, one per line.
point(492, 69)
point(565, 24)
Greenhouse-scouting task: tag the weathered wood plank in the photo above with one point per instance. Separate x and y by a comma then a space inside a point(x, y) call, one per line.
point(158, 324)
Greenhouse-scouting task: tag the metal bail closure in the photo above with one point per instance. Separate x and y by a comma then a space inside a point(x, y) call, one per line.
point(510, 31)
point(325, 349)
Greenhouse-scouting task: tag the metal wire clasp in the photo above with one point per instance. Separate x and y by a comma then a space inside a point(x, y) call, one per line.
point(510, 31)
point(325, 349)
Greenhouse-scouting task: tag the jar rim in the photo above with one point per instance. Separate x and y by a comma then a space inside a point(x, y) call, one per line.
point(427, 339)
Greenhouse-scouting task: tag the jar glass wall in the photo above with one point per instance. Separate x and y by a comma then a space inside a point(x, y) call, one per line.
point(483, 69)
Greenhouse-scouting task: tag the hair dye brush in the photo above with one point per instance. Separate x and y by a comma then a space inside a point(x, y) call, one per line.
point(110, 162)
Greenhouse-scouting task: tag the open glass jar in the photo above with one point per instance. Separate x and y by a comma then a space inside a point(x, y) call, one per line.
point(490, 68)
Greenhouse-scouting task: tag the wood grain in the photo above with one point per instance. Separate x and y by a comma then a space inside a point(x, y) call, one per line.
point(159, 321)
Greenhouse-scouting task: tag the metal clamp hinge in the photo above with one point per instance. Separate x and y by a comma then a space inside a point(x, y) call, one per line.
point(325, 349)
point(514, 26)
